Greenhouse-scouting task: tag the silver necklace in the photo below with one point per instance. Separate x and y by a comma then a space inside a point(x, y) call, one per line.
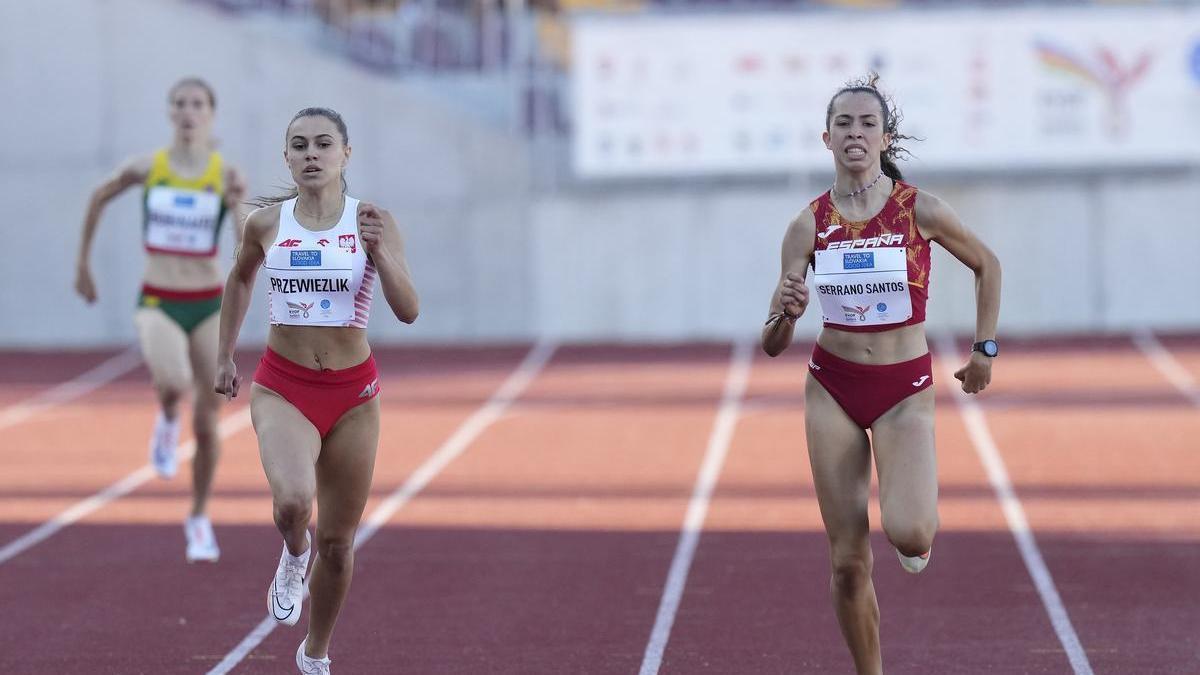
point(317, 217)
point(859, 191)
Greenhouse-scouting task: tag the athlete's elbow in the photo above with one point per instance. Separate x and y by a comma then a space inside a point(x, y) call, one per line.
point(989, 264)
point(407, 313)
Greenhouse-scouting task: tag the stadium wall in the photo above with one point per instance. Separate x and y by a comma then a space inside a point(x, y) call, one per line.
point(495, 258)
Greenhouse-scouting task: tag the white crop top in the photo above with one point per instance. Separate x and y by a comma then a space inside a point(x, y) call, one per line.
point(319, 278)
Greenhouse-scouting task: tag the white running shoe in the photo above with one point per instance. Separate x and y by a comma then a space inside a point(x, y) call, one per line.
point(286, 593)
point(201, 542)
point(163, 446)
point(308, 665)
point(915, 564)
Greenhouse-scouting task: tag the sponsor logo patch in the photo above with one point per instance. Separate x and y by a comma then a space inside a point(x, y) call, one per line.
point(828, 231)
point(306, 258)
point(855, 313)
point(300, 309)
point(859, 261)
point(370, 390)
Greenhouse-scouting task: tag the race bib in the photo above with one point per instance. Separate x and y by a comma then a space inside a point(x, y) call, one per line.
point(311, 286)
point(863, 286)
point(182, 221)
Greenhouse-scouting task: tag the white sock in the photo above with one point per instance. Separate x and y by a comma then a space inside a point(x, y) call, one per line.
point(303, 557)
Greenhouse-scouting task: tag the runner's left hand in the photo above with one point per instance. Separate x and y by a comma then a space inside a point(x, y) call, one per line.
point(976, 375)
point(370, 227)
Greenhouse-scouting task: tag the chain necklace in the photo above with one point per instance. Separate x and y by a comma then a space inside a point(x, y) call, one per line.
point(859, 191)
point(316, 217)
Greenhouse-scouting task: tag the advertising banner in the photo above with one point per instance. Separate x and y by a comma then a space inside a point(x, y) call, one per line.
point(985, 89)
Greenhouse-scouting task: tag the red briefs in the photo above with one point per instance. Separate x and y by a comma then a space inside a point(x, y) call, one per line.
point(322, 396)
point(865, 392)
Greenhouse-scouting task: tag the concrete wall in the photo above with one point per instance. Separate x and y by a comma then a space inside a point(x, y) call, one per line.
point(494, 258)
point(1079, 254)
point(457, 186)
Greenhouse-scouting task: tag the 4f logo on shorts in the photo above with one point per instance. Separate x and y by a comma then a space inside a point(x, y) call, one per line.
point(371, 390)
point(299, 309)
point(348, 241)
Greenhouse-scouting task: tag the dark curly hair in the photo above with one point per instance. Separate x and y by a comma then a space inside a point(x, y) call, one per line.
point(891, 122)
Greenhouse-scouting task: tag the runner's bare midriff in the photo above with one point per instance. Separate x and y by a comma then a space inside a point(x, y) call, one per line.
point(319, 347)
point(879, 348)
point(183, 273)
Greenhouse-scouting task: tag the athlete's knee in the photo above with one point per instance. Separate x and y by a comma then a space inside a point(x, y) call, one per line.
point(204, 428)
point(851, 573)
point(293, 510)
point(169, 393)
point(912, 537)
point(337, 552)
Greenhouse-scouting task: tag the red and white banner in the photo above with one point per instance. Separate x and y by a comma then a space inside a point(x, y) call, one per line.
point(995, 89)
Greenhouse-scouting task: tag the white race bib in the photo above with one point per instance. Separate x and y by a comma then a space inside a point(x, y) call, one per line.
point(311, 286)
point(863, 286)
point(182, 221)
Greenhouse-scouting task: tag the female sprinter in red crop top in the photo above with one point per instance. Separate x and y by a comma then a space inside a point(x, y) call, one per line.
point(315, 398)
point(868, 241)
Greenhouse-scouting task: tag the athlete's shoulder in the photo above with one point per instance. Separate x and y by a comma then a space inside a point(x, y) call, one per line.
point(802, 229)
point(806, 219)
point(933, 214)
point(263, 220)
point(137, 167)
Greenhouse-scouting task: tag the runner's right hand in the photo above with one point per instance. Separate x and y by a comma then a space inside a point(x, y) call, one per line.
point(228, 381)
point(793, 295)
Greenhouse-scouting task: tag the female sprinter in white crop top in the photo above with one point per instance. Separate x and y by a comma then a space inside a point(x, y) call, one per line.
point(315, 395)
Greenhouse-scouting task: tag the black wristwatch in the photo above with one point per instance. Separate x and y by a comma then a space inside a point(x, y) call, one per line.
point(988, 348)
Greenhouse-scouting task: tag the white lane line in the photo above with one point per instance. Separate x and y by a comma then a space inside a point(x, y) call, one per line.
point(693, 522)
point(228, 426)
point(1014, 514)
point(1168, 365)
point(78, 386)
point(459, 441)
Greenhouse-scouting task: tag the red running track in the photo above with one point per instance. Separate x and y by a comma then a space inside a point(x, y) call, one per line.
point(545, 546)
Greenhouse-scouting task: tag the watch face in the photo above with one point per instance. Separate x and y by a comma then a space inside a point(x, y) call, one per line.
point(989, 348)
